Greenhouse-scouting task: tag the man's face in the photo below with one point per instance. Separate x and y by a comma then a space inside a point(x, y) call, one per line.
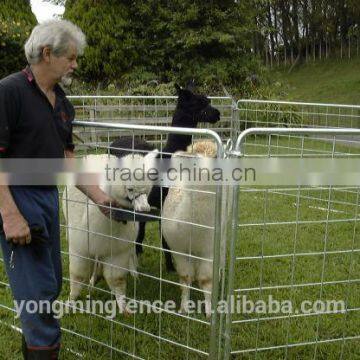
point(63, 66)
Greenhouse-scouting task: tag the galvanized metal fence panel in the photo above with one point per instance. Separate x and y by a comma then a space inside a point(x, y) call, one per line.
point(267, 113)
point(140, 110)
point(168, 333)
point(271, 113)
point(296, 244)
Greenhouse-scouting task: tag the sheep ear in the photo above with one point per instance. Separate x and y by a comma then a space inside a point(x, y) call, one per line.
point(151, 155)
point(177, 88)
point(191, 85)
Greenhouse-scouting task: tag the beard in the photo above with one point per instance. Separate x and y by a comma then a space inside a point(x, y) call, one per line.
point(66, 80)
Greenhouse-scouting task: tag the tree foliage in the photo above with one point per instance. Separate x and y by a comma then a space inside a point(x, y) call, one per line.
point(110, 50)
point(301, 26)
point(214, 42)
point(16, 22)
point(138, 41)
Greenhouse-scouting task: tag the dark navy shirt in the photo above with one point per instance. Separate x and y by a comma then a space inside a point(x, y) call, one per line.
point(29, 126)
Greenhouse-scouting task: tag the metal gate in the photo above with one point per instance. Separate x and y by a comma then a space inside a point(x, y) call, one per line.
point(294, 245)
point(142, 110)
point(161, 333)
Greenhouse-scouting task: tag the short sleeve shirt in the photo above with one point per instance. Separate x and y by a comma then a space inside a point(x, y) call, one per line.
point(30, 127)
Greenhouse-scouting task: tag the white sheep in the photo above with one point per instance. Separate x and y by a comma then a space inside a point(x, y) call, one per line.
point(100, 246)
point(192, 204)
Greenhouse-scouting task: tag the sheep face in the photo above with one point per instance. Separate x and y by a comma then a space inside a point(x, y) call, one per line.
point(137, 193)
point(197, 106)
point(138, 196)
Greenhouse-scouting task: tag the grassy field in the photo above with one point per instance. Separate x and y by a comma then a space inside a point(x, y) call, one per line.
point(272, 222)
point(287, 240)
point(328, 81)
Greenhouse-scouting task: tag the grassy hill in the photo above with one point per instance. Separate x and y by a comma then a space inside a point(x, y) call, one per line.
point(328, 81)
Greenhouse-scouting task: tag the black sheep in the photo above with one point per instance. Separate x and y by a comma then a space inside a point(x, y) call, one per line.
point(191, 109)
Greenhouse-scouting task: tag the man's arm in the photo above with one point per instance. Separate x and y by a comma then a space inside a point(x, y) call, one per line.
point(15, 227)
point(99, 197)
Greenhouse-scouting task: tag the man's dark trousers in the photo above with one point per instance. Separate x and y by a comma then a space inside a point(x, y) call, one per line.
point(36, 272)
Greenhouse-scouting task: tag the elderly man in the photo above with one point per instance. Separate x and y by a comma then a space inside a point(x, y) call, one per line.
point(36, 122)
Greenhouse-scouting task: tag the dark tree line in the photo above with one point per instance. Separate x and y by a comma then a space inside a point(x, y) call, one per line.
point(216, 41)
point(302, 29)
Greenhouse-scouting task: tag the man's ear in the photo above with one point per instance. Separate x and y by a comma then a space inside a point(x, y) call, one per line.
point(46, 51)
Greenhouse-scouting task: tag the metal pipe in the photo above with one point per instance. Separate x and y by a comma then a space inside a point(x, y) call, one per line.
point(254, 101)
point(137, 97)
point(159, 129)
point(291, 131)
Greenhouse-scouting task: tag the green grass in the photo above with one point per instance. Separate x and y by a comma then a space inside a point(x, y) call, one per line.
point(328, 81)
point(305, 228)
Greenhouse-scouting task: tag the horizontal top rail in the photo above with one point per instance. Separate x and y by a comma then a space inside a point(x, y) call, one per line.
point(159, 129)
point(292, 131)
point(137, 97)
point(254, 101)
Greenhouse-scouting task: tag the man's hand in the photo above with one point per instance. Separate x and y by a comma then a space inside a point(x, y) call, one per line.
point(103, 200)
point(106, 203)
point(16, 229)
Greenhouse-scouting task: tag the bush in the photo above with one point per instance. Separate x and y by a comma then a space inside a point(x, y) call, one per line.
point(16, 23)
point(132, 42)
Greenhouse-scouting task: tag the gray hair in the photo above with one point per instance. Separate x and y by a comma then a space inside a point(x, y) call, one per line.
point(55, 34)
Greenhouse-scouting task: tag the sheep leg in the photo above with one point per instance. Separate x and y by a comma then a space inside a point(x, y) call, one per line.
point(185, 281)
point(168, 258)
point(140, 238)
point(76, 285)
point(156, 198)
point(185, 269)
point(116, 280)
point(97, 273)
point(206, 286)
point(204, 278)
point(80, 272)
